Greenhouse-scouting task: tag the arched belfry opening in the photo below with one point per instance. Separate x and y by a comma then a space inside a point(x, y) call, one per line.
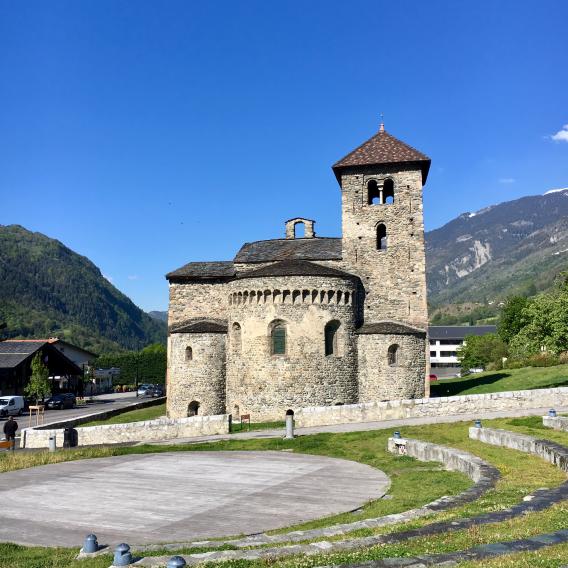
point(300, 228)
point(373, 193)
point(388, 192)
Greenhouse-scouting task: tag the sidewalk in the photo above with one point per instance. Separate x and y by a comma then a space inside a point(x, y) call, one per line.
point(362, 426)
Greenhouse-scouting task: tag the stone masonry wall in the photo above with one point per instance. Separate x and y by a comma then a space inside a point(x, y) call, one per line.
point(421, 407)
point(395, 278)
point(146, 431)
point(265, 385)
point(378, 380)
point(197, 300)
point(201, 379)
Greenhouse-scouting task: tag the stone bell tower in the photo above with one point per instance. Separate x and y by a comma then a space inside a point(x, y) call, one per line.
point(383, 228)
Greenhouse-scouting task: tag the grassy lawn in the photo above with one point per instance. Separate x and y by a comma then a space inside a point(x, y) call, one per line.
point(527, 378)
point(150, 413)
point(236, 427)
point(413, 484)
point(549, 557)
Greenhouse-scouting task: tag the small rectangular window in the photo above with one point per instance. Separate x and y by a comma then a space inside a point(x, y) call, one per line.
point(279, 341)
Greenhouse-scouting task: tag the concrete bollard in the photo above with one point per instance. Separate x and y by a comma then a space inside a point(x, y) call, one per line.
point(122, 555)
point(90, 545)
point(289, 425)
point(552, 413)
point(176, 562)
point(52, 443)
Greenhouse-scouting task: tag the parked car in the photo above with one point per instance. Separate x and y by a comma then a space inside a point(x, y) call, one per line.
point(145, 390)
point(433, 378)
point(60, 401)
point(158, 390)
point(11, 405)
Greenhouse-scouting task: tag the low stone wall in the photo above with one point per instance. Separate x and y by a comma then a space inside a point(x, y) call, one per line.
point(100, 414)
point(452, 458)
point(545, 449)
point(424, 407)
point(146, 431)
point(556, 422)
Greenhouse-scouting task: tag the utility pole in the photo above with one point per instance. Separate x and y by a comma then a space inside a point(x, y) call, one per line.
point(137, 362)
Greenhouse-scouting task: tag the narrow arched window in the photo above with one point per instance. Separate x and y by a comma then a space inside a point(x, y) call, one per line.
point(381, 237)
point(237, 337)
point(373, 193)
point(331, 333)
point(388, 192)
point(188, 353)
point(393, 355)
point(278, 339)
point(193, 408)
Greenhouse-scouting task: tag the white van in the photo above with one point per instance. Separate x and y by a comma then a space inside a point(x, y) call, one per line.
point(11, 405)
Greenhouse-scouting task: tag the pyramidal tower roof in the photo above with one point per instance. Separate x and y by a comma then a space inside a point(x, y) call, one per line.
point(383, 148)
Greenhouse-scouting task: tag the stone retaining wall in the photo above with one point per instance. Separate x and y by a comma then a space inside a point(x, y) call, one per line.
point(146, 431)
point(424, 407)
point(545, 449)
point(452, 458)
point(556, 422)
point(101, 414)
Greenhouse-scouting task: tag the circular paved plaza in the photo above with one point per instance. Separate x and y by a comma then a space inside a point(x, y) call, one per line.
point(155, 498)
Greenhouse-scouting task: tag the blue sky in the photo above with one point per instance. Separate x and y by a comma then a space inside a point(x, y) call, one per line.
point(144, 135)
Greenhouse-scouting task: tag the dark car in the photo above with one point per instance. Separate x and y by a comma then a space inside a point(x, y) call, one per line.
point(60, 401)
point(158, 390)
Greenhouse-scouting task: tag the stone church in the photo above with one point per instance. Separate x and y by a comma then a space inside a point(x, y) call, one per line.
point(306, 320)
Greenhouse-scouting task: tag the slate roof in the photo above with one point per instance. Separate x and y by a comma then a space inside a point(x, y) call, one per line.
point(295, 268)
point(383, 148)
point(317, 248)
point(390, 327)
point(200, 326)
point(459, 331)
point(199, 271)
point(13, 352)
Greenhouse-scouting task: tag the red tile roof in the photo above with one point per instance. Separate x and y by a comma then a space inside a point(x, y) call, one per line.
point(383, 148)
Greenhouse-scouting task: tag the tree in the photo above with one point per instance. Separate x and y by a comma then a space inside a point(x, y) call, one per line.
point(38, 387)
point(513, 317)
point(546, 325)
point(480, 350)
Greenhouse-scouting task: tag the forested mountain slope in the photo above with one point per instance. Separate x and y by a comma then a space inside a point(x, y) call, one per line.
point(47, 290)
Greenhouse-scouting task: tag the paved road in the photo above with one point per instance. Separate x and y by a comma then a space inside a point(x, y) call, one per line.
point(179, 496)
point(100, 403)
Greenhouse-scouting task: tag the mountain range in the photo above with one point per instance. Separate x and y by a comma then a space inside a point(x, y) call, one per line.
point(47, 290)
point(516, 247)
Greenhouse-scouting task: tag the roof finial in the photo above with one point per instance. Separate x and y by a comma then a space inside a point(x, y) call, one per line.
point(382, 125)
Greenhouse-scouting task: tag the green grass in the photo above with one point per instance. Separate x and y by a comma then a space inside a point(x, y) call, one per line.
point(527, 378)
point(548, 557)
point(236, 428)
point(150, 413)
point(413, 484)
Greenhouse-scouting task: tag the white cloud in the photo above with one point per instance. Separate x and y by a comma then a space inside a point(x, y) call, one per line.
point(109, 278)
point(561, 135)
point(506, 180)
point(134, 277)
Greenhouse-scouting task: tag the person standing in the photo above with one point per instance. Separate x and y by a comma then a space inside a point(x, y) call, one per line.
point(10, 428)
